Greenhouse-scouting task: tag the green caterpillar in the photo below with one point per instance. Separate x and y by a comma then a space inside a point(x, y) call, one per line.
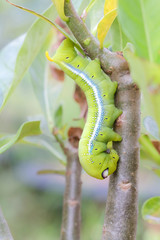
point(95, 158)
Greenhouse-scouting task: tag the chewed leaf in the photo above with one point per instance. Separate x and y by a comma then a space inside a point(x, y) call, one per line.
point(26, 129)
point(151, 210)
point(109, 6)
point(59, 4)
point(156, 144)
point(104, 26)
point(74, 134)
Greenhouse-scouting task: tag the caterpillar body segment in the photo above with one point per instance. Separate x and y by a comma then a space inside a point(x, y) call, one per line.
point(95, 158)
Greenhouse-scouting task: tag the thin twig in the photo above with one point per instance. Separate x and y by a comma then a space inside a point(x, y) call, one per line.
point(71, 219)
point(61, 143)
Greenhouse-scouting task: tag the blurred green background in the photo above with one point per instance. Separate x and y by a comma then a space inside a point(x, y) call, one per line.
point(32, 203)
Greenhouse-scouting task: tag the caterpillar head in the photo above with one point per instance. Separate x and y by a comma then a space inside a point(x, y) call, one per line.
point(99, 166)
point(65, 53)
point(110, 164)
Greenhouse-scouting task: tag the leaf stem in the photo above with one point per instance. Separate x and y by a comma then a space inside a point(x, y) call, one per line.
point(42, 17)
point(51, 171)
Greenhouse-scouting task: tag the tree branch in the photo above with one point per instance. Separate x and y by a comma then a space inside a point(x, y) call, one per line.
point(122, 201)
point(121, 209)
point(110, 61)
point(71, 220)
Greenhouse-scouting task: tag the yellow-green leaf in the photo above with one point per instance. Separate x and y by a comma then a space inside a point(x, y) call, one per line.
point(104, 26)
point(109, 6)
point(59, 4)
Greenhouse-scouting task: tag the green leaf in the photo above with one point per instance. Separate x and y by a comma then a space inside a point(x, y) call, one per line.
point(71, 109)
point(8, 57)
point(118, 38)
point(140, 22)
point(59, 4)
point(26, 129)
point(80, 6)
point(17, 57)
point(87, 9)
point(151, 210)
point(58, 117)
point(52, 92)
point(149, 149)
point(4, 229)
point(90, 5)
point(151, 126)
point(43, 84)
point(94, 16)
point(46, 140)
point(43, 18)
point(147, 76)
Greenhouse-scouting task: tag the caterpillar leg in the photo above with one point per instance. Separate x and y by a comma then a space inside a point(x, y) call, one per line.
point(117, 113)
point(107, 134)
